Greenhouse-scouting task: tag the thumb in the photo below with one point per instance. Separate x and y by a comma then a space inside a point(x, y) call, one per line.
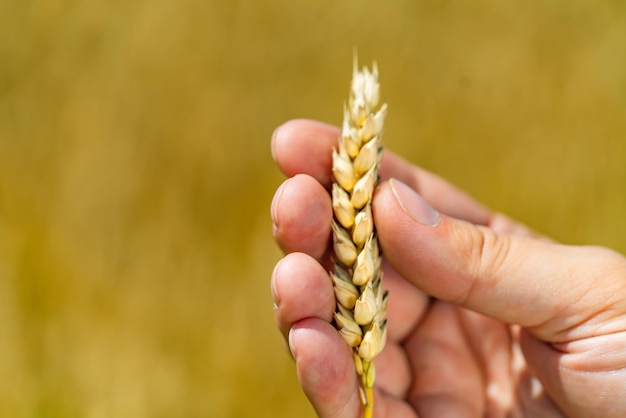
point(550, 289)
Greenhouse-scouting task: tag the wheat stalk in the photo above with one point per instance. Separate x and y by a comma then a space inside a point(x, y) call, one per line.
point(357, 275)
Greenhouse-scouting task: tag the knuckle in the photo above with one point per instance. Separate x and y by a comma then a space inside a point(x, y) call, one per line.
point(488, 261)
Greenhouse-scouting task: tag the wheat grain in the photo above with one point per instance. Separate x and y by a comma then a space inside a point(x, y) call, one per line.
point(361, 302)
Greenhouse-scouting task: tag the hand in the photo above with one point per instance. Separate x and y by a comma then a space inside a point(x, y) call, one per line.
point(485, 318)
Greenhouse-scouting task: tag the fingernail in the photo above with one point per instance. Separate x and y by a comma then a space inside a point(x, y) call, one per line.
point(274, 205)
point(275, 295)
point(273, 141)
point(414, 204)
point(292, 347)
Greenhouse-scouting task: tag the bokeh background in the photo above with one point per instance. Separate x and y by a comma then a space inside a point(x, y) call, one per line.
point(136, 174)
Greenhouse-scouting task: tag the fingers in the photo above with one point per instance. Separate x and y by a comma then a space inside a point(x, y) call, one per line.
point(448, 381)
point(326, 373)
point(406, 304)
point(325, 368)
point(301, 289)
point(393, 370)
point(301, 216)
point(305, 147)
point(492, 344)
point(304, 306)
point(303, 292)
point(550, 289)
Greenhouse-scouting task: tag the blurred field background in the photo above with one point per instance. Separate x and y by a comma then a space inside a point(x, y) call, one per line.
point(136, 175)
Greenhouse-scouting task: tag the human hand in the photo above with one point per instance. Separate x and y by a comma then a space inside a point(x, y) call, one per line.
point(484, 317)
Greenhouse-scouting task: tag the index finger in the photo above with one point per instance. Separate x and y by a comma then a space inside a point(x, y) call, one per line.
point(305, 147)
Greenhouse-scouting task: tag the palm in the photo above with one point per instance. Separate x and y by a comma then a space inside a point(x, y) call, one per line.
point(443, 360)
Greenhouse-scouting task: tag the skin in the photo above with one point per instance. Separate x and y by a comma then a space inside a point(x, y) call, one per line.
point(485, 319)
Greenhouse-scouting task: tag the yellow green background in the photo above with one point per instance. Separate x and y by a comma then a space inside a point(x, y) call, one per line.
point(136, 174)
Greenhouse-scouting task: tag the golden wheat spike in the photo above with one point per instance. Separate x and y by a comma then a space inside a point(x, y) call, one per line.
point(361, 302)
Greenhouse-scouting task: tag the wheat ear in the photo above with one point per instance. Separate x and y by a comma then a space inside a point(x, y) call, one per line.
point(357, 275)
